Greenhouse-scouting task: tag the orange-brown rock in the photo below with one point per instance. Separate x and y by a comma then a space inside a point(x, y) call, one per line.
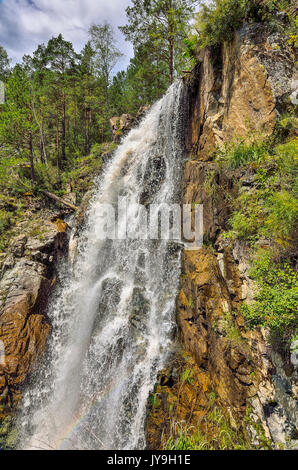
point(239, 91)
point(181, 396)
point(206, 323)
point(25, 285)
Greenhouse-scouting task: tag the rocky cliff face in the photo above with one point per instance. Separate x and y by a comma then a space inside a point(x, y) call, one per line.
point(28, 273)
point(239, 90)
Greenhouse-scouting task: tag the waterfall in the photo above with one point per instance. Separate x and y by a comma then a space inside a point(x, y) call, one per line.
point(113, 314)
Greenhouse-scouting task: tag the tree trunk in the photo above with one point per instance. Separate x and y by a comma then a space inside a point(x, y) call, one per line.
point(57, 146)
point(31, 158)
point(63, 132)
point(88, 130)
point(171, 60)
point(61, 201)
point(42, 159)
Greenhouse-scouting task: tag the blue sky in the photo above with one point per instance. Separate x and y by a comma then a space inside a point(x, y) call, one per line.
point(26, 23)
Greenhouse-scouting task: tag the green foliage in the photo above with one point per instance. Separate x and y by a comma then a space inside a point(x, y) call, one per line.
point(157, 30)
point(155, 402)
point(187, 376)
point(17, 124)
point(190, 53)
point(4, 64)
point(47, 177)
point(240, 154)
point(287, 123)
point(265, 213)
point(218, 20)
point(106, 54)
point(282, 218)
point(219, 434)
point(185, 438)
point(276, 303)
point(286, 156)
point(4, 220)
point(270, 209)
point(8, 433)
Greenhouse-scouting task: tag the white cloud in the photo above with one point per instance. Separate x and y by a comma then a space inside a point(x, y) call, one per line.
point(26, 23)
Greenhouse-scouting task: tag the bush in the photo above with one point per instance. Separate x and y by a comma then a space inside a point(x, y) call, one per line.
point(287, 161)
point(276, 303)
point(265, 213)
point(281, 222)
point(218, 434)
point(47, 177)
point(240, 154)
point(4, 220)
point(270, 208)
point(217, 21)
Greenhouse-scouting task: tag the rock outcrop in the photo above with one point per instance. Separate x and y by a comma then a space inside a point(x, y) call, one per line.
point(121, 125)
point(240, 90)
point(28, 274)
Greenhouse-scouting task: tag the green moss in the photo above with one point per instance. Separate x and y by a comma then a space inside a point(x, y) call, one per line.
point(154, 400)
point(8, 433)
point(187, 376)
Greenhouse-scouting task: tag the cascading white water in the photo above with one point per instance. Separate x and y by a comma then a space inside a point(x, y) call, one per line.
point(113, 315)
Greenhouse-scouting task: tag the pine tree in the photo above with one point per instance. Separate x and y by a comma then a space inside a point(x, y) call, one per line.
point(17, 124)
point(4, 64)
point(106, 56)
point(160, 26)
point(56, 64)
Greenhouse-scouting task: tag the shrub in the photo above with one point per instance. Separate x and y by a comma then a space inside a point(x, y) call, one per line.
point(281, 222)
point(4, 220)
point(47, 177)
point(219, 19)
point(217, 22)
point(276, 303)
point(240, 154)
point(270, 208)
point(218, 434)
point(265, 213)
point(287, 161)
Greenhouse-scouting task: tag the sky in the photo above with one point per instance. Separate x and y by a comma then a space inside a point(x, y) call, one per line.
point(24, 24)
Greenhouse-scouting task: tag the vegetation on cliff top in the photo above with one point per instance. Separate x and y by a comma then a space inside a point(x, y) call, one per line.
point(217, 21)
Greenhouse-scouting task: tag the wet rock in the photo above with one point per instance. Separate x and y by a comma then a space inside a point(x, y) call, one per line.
point(121, 125)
